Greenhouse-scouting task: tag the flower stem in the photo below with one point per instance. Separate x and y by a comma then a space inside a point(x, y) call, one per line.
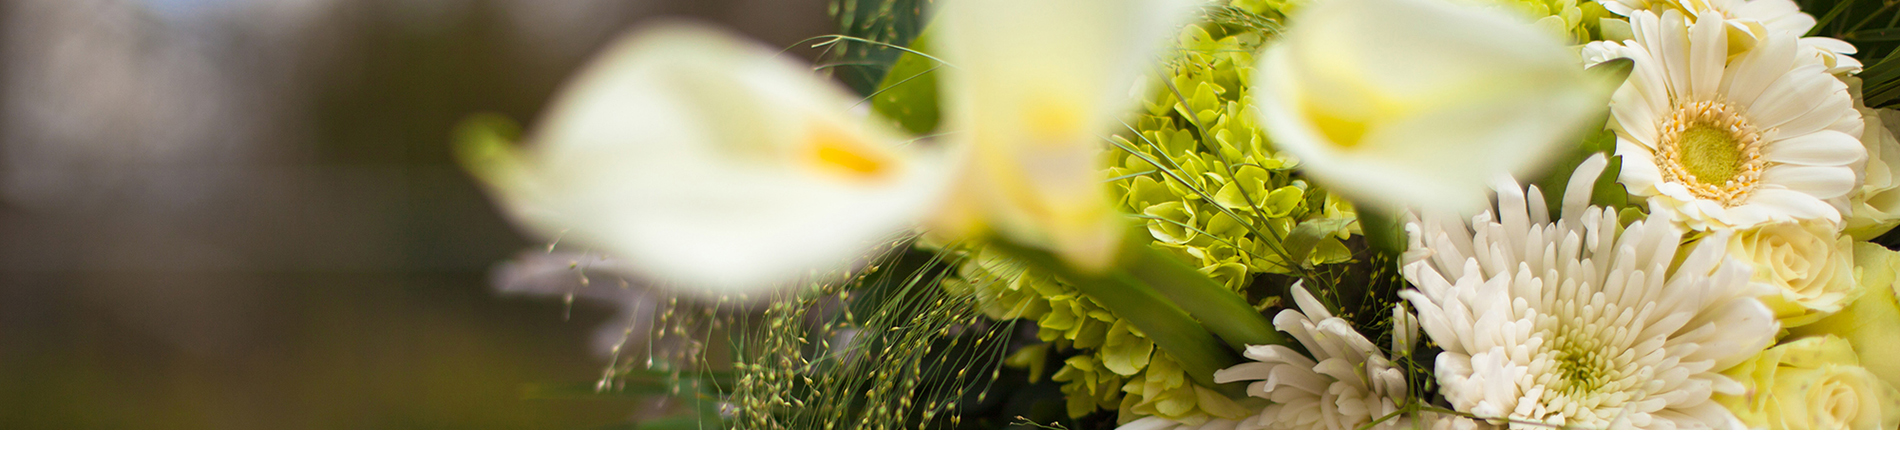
point(1149, 310)
point(1219, 309)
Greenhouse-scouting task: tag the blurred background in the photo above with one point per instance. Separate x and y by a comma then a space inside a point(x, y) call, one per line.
point(246, 214)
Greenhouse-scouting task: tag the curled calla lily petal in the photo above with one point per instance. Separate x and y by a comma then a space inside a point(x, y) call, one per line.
point(715, 163)
point(1420, 103)
point(1033, 88)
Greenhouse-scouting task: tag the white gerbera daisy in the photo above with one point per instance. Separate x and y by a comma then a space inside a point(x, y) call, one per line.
point(1750, 21)
point(1721, 142)
point(1579, 322)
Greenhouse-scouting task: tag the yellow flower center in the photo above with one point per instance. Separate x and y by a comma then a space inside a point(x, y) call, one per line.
point(836, 153)
point(1710, 154)
point(1712, 149)
point(1341, 130)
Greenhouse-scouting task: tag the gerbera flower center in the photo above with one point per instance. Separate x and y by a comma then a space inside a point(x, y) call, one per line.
point(1712, 149)
point(1710, 154)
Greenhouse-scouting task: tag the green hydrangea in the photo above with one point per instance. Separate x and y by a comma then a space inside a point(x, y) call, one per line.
point(1576, 21)
point(1194, 163)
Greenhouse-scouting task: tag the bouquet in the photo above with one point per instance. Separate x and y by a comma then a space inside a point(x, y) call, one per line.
point(1251, 214)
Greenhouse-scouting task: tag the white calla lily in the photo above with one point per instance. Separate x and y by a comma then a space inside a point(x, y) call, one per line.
point(714, 163)
point(717, 164)
point(1420, 103)
point(1035, 86)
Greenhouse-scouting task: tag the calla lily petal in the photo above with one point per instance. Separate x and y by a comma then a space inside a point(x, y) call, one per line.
point(1420, 103)
point(715, 163)
point(1034, 87)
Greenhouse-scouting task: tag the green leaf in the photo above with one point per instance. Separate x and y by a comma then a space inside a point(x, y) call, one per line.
point(1034, 357)
point(1556, 179)
point(1125, 351)
point(1614, 71)
point(908, 94)
point(1142, 306)
point(1171, 222)
point(861, 65)
point(1608, 192)
point(1884, 34)
point(1218, 308)
point(485, 146)
point(1308, 234)
point(1383, 231)
point(1838, 8)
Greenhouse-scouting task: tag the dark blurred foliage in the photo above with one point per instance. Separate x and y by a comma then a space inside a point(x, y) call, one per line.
point(235, 214)
point(1873, 27)
point(881, 23)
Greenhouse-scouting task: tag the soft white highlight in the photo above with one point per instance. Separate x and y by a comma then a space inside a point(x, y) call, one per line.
point(1578, 321)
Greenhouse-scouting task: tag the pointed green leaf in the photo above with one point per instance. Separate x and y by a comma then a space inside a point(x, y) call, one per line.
point(908, 94)
point(1299, 244)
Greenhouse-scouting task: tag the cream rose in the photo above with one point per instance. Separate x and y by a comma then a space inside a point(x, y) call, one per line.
point(1877, 204)
point(1872, 322)
point(1810, 266)
point(1811, 383)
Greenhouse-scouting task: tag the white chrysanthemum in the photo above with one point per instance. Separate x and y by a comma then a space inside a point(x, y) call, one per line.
point(1579, 322)
point(1157, 423)
point(1721, 142)
point(1346, 383)
point(1750, 21)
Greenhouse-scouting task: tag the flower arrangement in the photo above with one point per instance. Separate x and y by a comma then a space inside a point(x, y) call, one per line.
point(1251, 214)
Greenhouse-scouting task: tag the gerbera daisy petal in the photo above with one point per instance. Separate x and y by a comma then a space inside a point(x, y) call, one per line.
point(1706, 151)
point(1794, 204)
point(1778, 53)
point(1797, 102)
point(1706, 59)
point(1672, 47)
point(1825, 147)
point(1825, 182)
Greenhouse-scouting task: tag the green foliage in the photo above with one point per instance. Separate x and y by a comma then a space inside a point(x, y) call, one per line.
point(1195, 166)
point(1575, 21)
point(1873, 27)
point(881, 348)
point(908, 94)
point(863, 65)
point(485, 147)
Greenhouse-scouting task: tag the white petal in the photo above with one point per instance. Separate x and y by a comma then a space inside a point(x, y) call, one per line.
point(1431, 114)
point(1818, 148)
point(1794, 204)
point(714, 163)
point(1640, 173)
point(1034, 85)
point(1751, 73)
point(1803, 100)
point(1822, 182)
point(1708, 52)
